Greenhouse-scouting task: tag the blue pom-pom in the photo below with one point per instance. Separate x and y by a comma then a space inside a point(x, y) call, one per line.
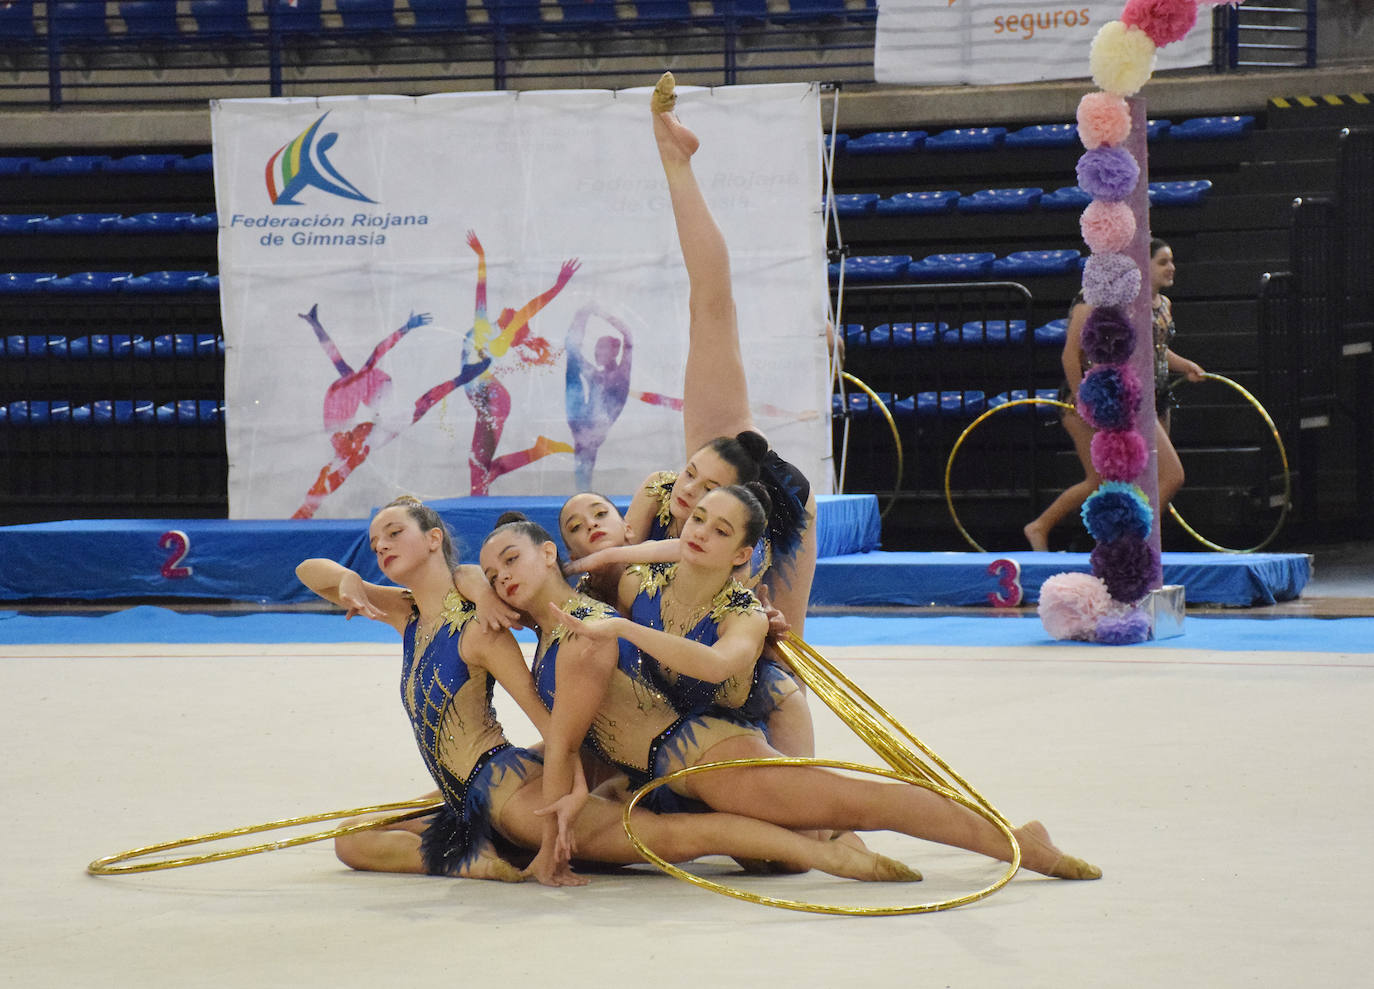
point(1117, 509)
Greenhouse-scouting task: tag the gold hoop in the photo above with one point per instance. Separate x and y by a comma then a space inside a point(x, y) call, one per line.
point(412, 809)
point(949, 464)
point(1283, 459)
point(896, 437)
point(802, 905)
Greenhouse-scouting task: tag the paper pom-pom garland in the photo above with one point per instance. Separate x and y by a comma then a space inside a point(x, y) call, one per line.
point(1117, 509)
point(1121, 58)
point(1071, 605)
point(1163, 21)
point(1109, 396)
point(1107, 227)
point(1103, 118)
point(1122, 629)
point(1110, 280)
point(1107, 338)
point(1128, 566)
point(1119, 454)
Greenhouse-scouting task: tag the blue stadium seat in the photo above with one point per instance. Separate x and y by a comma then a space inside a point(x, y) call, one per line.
point(1001, 200)
point(873, 268)
point(956, 267)
point(155, 282)
point(819, 8)
point(20, 223)
point(79, 20)
point(1212, 128)
point(1069, 197)
point(221, 17)
point(514, 13)
point(891, 142)
point(143, 164)
point(1157, 129)
point(69, 165)
point(1189, 193)
point(153, 223)
point(16, 22)
point(80, 223)
point(663, 10)
point(19, 282)
point(98, 345)
point(26, 413)
point(918, 203)
point(149, 18)
point(856, 203)
point(303, 18)
point(860, 405)
point(840, 139)
point(205, 223)
point(1046, 412)
point(906, 334)
point(367, 15)
point(1019, 264)
point(439, 15)
point(950, 403)
point(1053, 333)
point(190, 412)
point(1043, 136)
point(967, 139)
point(992, 333)
point(20, 165)
point(195, 163)
point(210, 283)
point(87, 283)
point(588, 11)
point(21, 345)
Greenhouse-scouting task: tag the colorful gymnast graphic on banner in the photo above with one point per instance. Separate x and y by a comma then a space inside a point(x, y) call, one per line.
point(986, 42)
point(483, 293)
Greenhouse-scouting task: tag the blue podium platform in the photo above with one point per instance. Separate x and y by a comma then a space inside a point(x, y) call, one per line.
point(255, 560)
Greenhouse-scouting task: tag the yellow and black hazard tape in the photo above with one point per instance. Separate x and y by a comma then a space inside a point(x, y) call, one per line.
point(1327, 99)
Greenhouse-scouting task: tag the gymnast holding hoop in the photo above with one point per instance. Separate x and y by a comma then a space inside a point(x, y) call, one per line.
point(1075, 364)
point(494, 816)
point(603, 677)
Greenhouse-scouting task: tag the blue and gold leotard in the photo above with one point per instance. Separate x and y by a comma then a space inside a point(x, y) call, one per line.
point(752, 697)
point(636, 727)
point(461, 741)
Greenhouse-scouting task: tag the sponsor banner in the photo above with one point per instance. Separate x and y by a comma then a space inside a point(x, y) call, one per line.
point(944, 42)
point(484, 293)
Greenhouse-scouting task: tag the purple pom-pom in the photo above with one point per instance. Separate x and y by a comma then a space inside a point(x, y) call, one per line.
point(1123, 629)
point(1129, 567)
point(1119, 454)
point(1108, 173)
point(1109, 396)
point(1117, 509)
point(1110, 280)
point(1107, 337)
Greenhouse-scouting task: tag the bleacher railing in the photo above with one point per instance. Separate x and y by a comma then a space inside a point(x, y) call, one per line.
point(1261, 35)
point(153, 52)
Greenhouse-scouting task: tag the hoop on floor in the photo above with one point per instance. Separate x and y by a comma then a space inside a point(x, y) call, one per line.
point(896, 437)
point(1283, 460)
point(949, 464)
point(411, 809)
point(802, 905)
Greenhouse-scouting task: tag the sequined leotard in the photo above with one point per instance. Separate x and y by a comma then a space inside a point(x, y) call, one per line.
point(461, 741)
point(752, 698)
point(636, 727)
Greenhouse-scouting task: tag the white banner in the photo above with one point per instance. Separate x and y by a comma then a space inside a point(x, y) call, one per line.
point(484, 293)
point(945, 42)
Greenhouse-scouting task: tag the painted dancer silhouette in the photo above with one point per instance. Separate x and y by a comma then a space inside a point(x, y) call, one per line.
point(367, 387)
point(596, 389)
point(304, 164)
point(510, 336)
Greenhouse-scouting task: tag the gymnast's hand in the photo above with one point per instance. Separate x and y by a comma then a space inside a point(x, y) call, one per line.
point(777, 622)
point(592, 562)
point(353, 597)
point(565, 810)
point(550, 872)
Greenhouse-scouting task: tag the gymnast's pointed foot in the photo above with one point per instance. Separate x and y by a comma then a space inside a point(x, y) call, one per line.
point(1038, 539)
point(489, 865)
point(676, 144)
point(1039, 854)
point(849, 862)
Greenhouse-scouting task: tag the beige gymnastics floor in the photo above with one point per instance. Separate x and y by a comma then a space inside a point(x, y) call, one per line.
point(1226, 796)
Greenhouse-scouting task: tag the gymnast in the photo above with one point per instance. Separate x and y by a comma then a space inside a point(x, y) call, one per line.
point(1070, 500)
point(609, 676)
point(494, 815)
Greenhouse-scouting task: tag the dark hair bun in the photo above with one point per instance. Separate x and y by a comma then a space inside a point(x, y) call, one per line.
point(508, 517)
point(754, 444)
point(760, 492)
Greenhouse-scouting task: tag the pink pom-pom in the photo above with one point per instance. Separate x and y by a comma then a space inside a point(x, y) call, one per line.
point(1108, 227)
point(1071, 605)
point(1121, 58)
point(1165, 21)
point(1119, 454)
point(1103, 118)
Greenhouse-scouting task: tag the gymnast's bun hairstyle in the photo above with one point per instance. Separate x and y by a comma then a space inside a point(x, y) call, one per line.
point(526, 526)
point(753, 461)
point(743, 451)
point(427, 518)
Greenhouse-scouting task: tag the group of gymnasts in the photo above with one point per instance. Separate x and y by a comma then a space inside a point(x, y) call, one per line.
point(653, 654)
